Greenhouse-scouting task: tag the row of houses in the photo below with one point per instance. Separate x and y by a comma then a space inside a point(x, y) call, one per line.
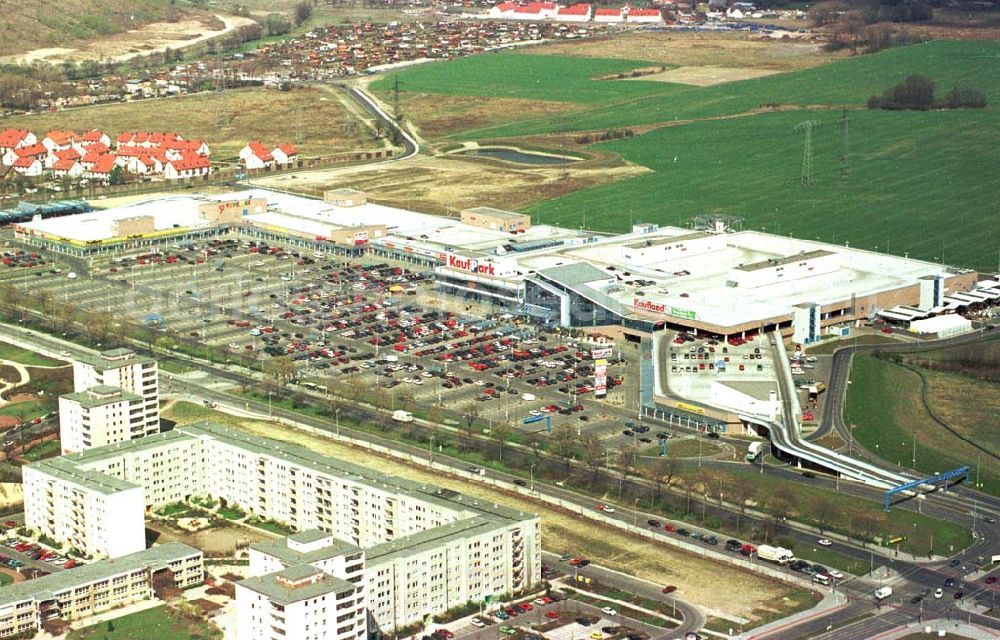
point(65, 153)
point(580, 12)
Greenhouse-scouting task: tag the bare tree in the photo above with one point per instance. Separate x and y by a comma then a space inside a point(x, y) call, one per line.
point(593, 452)
point(562, 443)
point(470, 413)
point(501, 432)
point(823, 510)
point(743, 492)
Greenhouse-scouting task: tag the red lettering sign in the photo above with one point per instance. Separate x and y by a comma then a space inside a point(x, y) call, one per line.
point(648, 305)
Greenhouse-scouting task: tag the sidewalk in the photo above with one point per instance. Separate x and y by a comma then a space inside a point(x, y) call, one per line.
point(950, 627)
point(831, 602)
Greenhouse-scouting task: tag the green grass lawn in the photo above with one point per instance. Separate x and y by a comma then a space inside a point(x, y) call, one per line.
point(41, 451)
point(25, 411)
point(831, 559)
point(883, 403)
point(5, 580)
point(160, 623)
point(907, 170)
point(231, 513)
point(536, 77)
point(26, 357)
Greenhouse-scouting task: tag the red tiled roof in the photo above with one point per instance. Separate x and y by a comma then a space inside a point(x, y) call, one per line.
point(260, 151)
point(643, 12)
point(97, 147)
point(10, 137)
point(34, 150)
point(288, 150)
point(68, 154)
point(25, 162)
point(61, 137)
point(125, 136)
point(64, 165)
point(507, 6)
point(608, 12)
point(92, 136)
point(190, 162)
point(104, 164)
point(575, 10)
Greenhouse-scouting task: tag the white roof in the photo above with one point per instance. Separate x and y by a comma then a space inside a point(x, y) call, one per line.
point(937, 324)
point(181, 211)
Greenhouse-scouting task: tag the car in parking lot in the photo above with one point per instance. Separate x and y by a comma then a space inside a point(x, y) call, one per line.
point(476, 622)
point(609, 611)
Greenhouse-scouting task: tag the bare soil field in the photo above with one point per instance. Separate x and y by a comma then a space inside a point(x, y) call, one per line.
point(696, 49)
point(447, 185)
point(214, 540)
point(730, 591)
point(706, 76)
point(245, 114)
point(149, 38)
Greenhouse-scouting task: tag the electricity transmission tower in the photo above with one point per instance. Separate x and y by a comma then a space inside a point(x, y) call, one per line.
point(843, 158)
point(395, 99)
point(220, 91)
point(807, 152)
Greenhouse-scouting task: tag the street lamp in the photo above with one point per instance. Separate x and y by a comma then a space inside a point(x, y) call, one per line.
point(531, 471)
point(268, 404)
point(336, 415)
point(430, 449)
point(635, 513)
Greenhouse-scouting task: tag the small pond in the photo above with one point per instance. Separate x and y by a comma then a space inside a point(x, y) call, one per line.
point(513, 155)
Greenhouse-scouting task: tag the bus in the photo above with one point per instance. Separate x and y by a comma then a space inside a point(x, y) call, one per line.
point(822, 578)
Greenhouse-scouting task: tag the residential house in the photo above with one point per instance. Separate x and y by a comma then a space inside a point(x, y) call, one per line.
point(644, 15)
point(15, 138)
point(71, 168)
point(94, 137)
point(575, 13)
point(57, 139)
point(29, 166)
point(190, 166)
point(608, 15)
point(285, 154)
point(256, 156)
point(36, 151)
point(101, 168)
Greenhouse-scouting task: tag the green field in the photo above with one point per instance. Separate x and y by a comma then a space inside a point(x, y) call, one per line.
point(160, 623)
point(846, 82)
point(535, 77)
point(43, 450)
point(919, 182)
point(884, 403)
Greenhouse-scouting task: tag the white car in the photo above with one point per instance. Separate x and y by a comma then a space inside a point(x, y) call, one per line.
point(476, 622)
point(938, 592)
point(479, 383)
point(823, 542)
point(608, 611)
point(528, 397)
point(833, 573)
point(534, 412)
point(539, 602)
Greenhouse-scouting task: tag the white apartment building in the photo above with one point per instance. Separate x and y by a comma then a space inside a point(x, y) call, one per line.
point(300, 603)
point(428, 548)
point(98, 416)
point(92, 588)
point(94, 513)
point(124, 369)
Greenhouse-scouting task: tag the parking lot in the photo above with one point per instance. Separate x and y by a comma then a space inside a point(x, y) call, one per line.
point(353, 323)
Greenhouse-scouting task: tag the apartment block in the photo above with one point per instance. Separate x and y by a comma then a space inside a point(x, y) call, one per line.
point(407, 548)
point(300, 603)
point(131, 373)
point(103, 585)
point(98, 416)
point(94, 513)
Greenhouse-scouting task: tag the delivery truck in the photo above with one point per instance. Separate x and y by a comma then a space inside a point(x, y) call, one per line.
point(778, 555)
point(402, 416)
point(882, 593)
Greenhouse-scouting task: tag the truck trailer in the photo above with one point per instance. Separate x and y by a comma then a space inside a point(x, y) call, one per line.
point(778, 555)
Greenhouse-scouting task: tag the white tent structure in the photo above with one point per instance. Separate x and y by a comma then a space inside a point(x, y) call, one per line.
point(944, 326)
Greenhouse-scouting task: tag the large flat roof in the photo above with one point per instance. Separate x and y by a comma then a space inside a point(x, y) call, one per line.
point(696, 287)
point(275, 586)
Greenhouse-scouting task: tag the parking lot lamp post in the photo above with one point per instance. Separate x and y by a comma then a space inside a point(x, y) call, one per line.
point(531, 472)
point(336, 415)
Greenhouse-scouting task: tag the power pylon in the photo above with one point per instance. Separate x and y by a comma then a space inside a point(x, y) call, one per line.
point(807, 152)
point(843, 158)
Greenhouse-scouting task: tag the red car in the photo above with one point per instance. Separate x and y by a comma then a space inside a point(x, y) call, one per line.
point(552, 615)
point(512, 612)
point(526, 606)
point(669, 588)
point(575, 561)
point(669, 527)
point(446, 633)
point(991, 579)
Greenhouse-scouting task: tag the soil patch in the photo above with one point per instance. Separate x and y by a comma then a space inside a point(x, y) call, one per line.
point(217, 540)
point(706, 76)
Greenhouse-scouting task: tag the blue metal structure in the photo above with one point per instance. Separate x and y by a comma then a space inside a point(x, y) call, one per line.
point(940, 478)
point(663, 447)
point(531, 419)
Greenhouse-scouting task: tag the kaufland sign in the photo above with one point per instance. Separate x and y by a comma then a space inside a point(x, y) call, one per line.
point(647, 305)
point(471, 265)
